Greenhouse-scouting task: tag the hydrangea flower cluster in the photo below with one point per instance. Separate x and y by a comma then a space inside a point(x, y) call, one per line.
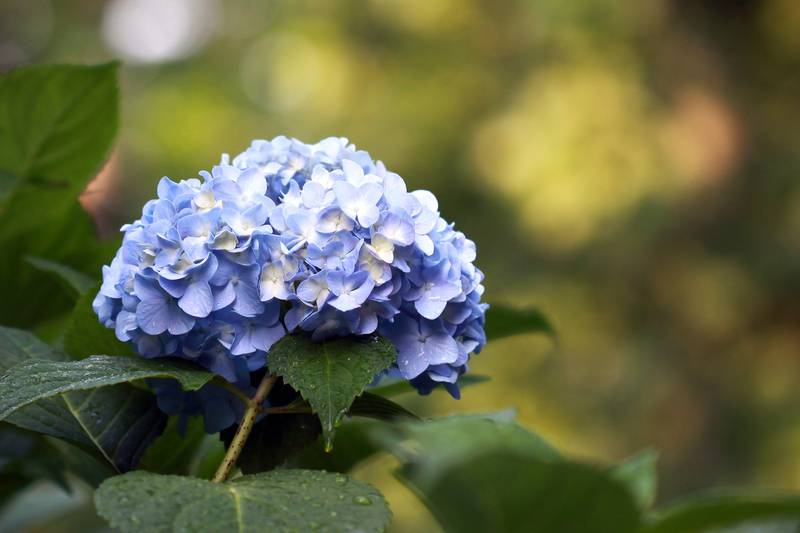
point(293, 237)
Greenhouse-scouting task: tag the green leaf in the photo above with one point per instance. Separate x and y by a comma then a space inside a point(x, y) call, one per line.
point(86, 336)
point(507, 479)
point(77, 282)
point(725, 509)
point(57, 124)
point(502, 321)
point(451, 438)
point(639, 474)
point(115, 424)
point(17, 346)
point(329, 375)
point(401, 386)
point(281, 500)
point(370, 405)
point(37, 379)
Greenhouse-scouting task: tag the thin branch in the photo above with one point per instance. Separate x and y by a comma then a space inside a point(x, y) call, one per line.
point(249, 418)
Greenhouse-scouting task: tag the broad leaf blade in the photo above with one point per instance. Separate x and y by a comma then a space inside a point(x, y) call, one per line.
point(330, 374)
point(281, 500)
point(502, 321)
point(34, 380)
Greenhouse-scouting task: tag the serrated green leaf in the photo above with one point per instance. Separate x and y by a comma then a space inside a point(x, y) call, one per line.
point(34, 380)
point(640, 476)
point(503, 321)
point(281, 500)
point(115, 423)
point(507, 479)
point(370, 405)
point(85, 335)
point(718, 510)
point(329, 375)
point(77, 282)
point(57, 123)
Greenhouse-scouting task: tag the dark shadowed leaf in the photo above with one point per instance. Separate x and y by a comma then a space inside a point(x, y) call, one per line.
point(330, 374)
point(502, 321)
point(370, 405)
point(274, 439)
point(281, 500)
point(175, 450)
point(353, 445)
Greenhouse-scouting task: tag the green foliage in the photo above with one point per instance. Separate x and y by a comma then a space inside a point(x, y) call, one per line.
point(77, 282)
point(331, 374)
point(282, 500)
point(503, 321)
point(639, 474)
point(726, 509)
point(115, 424)
point(37, 379)
point(56, 127)
point(85, 335)
point(481, 474)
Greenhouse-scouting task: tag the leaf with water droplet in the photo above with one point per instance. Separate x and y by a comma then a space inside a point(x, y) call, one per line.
point(114, 423)
point(330, 374)
point(35, 379)
point(270, 501)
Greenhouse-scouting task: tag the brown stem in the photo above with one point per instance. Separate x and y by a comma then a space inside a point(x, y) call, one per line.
point(249, 418)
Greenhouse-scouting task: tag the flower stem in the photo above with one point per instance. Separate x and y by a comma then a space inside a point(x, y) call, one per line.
point(249, 418)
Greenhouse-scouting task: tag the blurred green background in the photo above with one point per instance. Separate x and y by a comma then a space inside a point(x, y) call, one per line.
point(629, 167)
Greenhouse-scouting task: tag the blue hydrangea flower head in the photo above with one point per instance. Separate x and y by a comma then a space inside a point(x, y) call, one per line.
point(293, 237)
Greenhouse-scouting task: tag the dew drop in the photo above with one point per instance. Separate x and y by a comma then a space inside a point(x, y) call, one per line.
point(340, 480)
point(362, 500)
